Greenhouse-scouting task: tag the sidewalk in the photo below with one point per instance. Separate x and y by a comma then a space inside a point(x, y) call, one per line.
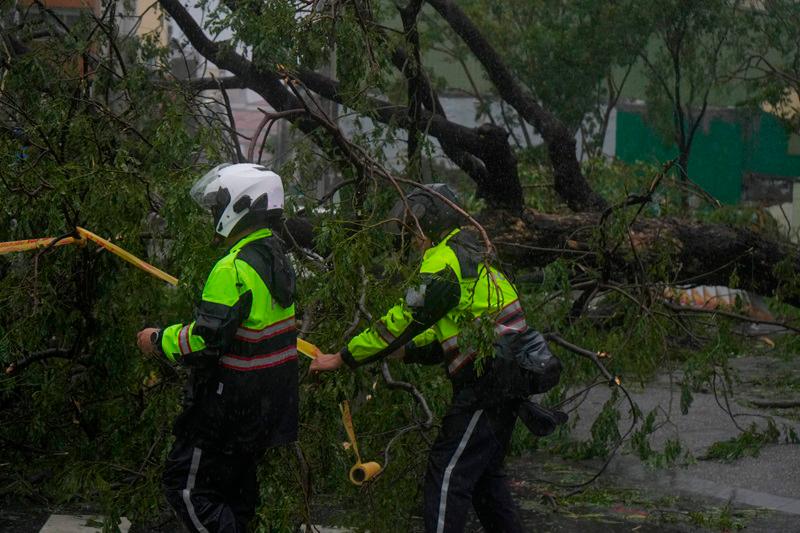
point(763, 490)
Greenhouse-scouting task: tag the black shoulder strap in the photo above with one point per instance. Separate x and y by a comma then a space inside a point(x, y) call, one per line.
point(469, 252)
point(268, 259)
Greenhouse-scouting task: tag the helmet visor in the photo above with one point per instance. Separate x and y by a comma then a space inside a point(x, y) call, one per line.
point(204, 191)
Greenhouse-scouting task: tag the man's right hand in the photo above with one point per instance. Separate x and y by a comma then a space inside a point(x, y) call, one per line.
point(325, 362)
point(144, 340)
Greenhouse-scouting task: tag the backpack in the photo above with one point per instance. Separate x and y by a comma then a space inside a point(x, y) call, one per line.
point(523, 365)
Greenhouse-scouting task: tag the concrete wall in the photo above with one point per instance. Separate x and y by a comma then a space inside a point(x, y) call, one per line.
point(729, 145)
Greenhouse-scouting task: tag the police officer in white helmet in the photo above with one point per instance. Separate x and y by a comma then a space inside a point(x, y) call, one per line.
point(241, 351)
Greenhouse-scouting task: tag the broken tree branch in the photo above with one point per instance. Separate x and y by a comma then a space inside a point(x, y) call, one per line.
point(29, 359)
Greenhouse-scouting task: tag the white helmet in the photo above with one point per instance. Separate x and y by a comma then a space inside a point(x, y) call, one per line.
point(231, 192)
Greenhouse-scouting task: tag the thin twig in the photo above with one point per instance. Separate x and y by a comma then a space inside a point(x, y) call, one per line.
point(232, 123)
point(583, 352)
point(743, 318)
point(409, 388)
point(360, 307)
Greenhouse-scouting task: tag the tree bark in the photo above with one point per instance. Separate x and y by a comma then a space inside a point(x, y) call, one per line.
point(570, 183)
point(699, 254)
point(474, 167)
point(499, 185)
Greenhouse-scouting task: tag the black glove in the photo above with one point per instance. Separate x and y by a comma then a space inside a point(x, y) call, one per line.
point(541, 421)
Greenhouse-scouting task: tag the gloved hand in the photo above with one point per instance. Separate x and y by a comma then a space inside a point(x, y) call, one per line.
point(146, 338)
point(541, 421)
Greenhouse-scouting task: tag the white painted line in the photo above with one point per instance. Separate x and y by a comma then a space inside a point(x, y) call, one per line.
point(326, 529)
point(61, 523)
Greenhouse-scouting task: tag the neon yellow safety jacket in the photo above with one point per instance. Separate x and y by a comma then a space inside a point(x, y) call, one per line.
point(455, 286)
point(241, 350)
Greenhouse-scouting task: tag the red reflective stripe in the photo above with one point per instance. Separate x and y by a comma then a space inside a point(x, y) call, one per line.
point(238, 362)
point(460, 361)
point(511, 317)
point(516, 326)
point(258, 335)
point(183, 341)
point(270, 364)
point(508, 311)
point(517, 323)
point(450, 343)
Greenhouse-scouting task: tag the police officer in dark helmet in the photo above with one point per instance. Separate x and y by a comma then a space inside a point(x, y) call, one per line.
point(465, 465)
point(242, 393)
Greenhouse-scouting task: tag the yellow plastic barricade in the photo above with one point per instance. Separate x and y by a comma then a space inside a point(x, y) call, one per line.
point(83, 236)
point(361, 472)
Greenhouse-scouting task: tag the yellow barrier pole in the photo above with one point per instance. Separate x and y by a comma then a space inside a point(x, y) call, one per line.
point(307, 349)
point(33, 244)
point(127, 256)
point(361, 472)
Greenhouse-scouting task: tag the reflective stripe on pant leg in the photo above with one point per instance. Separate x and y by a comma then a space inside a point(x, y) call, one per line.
point(451, 465)
point(187, 492)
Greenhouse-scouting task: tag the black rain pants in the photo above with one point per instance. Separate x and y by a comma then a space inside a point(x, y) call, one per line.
point(211, 491)
point(465, 468)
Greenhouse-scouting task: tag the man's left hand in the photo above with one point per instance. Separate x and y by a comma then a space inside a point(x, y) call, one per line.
point(326, 361)
point(145, 342)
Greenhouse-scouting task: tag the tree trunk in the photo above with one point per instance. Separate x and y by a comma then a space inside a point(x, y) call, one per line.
point(683, 163)
point(570, 182)
point(699, 254)
point(501, 188)
point(683, 170)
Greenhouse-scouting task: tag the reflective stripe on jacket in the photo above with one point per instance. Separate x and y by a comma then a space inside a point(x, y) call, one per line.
point(241, 350)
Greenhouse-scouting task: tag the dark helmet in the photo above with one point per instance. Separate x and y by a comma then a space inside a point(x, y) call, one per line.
point(434, 215)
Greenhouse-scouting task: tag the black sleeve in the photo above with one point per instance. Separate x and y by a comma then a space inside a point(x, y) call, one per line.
point(428, 302)
point(217, 324)
point(429, 354)
point(157, 342)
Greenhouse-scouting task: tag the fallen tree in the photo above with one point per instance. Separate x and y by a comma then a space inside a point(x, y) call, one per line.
point(698, 253)
point(702, 253)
